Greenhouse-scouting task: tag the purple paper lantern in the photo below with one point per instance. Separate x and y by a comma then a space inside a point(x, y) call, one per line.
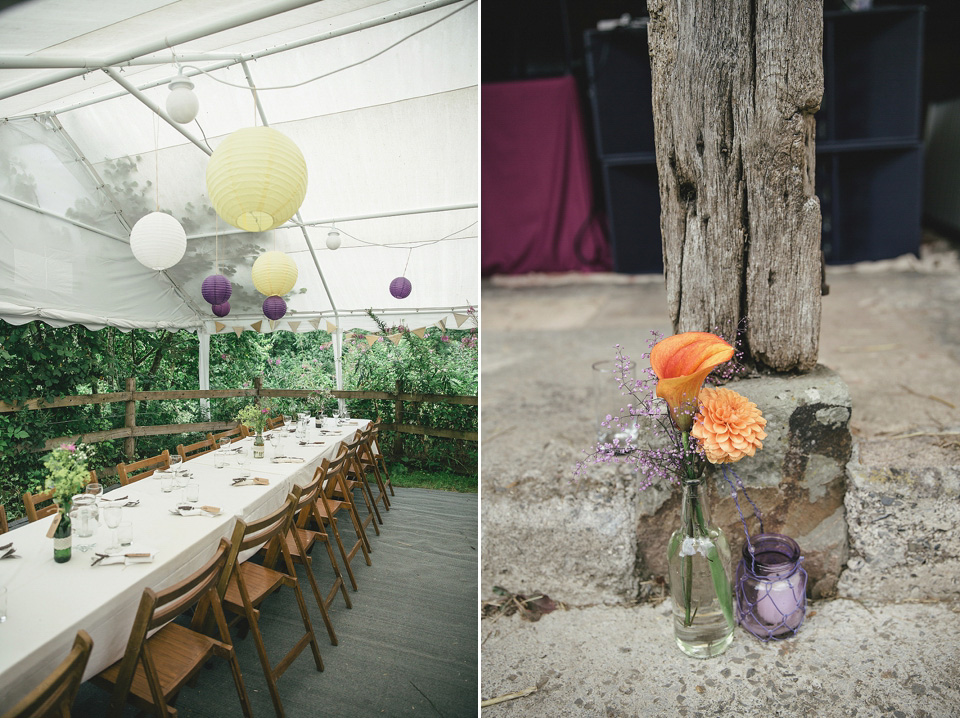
point(216, 289)
point(274, 307)
point(400, 287)
point(221, 310)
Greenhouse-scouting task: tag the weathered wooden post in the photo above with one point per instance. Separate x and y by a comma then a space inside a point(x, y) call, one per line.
point(397, 420)
point(735, 88)
point(130, 421)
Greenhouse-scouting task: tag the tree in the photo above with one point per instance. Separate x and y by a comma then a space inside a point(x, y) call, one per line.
point(735, 88)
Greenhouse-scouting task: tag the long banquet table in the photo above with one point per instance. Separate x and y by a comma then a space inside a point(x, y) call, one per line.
point(49, 602)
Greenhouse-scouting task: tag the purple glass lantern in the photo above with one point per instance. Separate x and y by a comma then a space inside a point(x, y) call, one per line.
point(221, 310)
point(216, 289)
point(771, 587)
point(400, 287)
point(274, 307)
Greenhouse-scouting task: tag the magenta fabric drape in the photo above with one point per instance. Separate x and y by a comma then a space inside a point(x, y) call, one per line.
point(536, 192)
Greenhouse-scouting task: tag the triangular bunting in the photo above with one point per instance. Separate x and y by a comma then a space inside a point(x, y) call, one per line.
point(419, 332)
point(371, 339)
point(273, 325)
point(461, 318)
point(331, 327)
point(256, 325)
point(237, 330)
point(395, 338)
point(219, 327)
point(442, 324)
point(315, 323)
point(293, 326)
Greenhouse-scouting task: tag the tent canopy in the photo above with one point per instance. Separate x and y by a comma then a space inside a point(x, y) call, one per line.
point(389, 133)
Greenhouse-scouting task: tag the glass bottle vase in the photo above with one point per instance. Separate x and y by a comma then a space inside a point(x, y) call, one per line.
point(700, 586)
point(63, 539)
point(258, 446)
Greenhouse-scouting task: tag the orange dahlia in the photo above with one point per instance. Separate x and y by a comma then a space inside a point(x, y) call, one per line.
point(729, 426)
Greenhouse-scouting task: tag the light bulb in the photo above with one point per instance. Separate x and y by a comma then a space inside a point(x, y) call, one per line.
point(182, 104)
point(333, 239)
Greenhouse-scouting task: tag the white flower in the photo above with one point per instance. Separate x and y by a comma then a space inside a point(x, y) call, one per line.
point(693, 545)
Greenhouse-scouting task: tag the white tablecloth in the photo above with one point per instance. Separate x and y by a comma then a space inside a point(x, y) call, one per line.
point(49, 602)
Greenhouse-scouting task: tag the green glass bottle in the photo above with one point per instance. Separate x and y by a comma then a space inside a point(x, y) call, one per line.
point(63, 539)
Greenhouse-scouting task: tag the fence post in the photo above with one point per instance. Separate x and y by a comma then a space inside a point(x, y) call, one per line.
point(130, 421)
point(258, 385)
point(398, 419)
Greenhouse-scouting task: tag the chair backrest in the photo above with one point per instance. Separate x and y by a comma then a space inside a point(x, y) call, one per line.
point(274, 422)
point(3, 520)
point(335, 473)
point(128, 473)
point(192, 451)
point(55, 694)
point(31, 502)
point(235, 434)
point(158, 608)
point(259, 533)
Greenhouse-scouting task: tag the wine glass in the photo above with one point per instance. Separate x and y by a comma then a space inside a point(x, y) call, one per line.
point(275, 442)
point(94, 489)
point(112, 514)
point(242, 456)
point(175, 460)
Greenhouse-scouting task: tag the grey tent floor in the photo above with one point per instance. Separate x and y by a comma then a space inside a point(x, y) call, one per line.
point(407, 647)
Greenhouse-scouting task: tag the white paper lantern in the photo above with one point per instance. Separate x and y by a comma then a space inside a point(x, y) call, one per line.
point(182, 104)
point(333, 239)
point(158, 241)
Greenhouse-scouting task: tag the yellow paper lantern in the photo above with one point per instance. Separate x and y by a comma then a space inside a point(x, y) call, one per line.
point(274, 274)
point(257, 179)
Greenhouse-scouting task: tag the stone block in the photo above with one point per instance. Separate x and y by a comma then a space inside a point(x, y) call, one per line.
point(903, 512)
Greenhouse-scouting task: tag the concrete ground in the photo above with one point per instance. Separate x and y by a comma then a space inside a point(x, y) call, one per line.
point(892, 332)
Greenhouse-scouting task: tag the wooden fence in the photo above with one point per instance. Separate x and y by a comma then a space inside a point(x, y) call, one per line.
point(130, 431)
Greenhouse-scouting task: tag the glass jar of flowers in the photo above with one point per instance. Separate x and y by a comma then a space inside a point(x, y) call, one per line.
point(67, 475)
point(254, 417)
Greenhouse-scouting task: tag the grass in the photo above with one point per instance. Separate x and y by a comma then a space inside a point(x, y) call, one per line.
point(402, 475)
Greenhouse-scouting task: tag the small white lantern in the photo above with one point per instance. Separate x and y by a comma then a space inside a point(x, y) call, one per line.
point(158, 241)
point(333, 239)
point(182, 104)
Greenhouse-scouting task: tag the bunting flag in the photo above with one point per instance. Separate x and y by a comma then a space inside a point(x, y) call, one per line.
point(315, 323)
point(461, 318)
point(442, 323)
point(256, 325)
point(330, 327)
point(395, 338)
point(371, 339)
point(237, 330)
point(273, 325)
point(293, 326)
point(419, 332)
point(219, 327)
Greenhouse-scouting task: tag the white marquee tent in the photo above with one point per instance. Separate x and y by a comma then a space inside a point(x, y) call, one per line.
point(380, 96)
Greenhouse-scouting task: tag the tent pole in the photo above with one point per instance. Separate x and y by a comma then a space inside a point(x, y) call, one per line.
point(203, 334)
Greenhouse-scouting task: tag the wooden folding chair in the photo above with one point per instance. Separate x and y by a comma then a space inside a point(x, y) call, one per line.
point(153, 670)
point(333, 498)
point(368, 464)
point(192, 451)
point(354, 477)
point(378, 455)
point(128, 473)
point(235, 434)
point(275, 422)
point(32, 503)
point(56, 693)
point(301, 540)
point(4, 527)
point(245, 586)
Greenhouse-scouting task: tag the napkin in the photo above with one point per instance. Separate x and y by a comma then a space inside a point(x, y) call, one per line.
point(191, 510)
point(287, 460)
point(127, 556)
point(251, 482)
point(305, 443)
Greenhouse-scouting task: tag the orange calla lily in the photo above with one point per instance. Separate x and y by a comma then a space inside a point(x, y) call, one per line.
point(681, 363)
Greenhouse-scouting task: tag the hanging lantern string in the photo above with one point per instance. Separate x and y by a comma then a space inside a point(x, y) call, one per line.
point(156, 157)
point(408, 263)
point(403, 245)
point(733, 495)
point(216, 245)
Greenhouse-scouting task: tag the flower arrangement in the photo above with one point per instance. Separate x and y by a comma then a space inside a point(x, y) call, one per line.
point(254, 416)
point(68, 474)
point(691, 426)
point(320, 400)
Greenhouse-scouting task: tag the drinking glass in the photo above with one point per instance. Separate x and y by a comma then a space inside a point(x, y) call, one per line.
point(224, 443)
point(83, 512)
point(111, 517)
point(175, 463)
point(166, 483)
point(182, 480)
point(275, 442)
point(242, 456)
point(94, 489)
point(125, 532)
point(192, 492)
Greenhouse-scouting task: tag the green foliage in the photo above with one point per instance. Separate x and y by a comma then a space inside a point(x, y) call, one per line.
point(402, 476)
point(67, 473)
point(254, 416)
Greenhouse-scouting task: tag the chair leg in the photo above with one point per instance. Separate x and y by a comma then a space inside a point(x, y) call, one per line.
point(265, 663)
point(343, 554)
point(382, 495)
point(388, 482)
point(338, 582)
point(318, 661)
point(373, 514)
point(321, 603)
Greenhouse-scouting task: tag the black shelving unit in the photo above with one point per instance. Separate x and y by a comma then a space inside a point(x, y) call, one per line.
point(869, 149)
